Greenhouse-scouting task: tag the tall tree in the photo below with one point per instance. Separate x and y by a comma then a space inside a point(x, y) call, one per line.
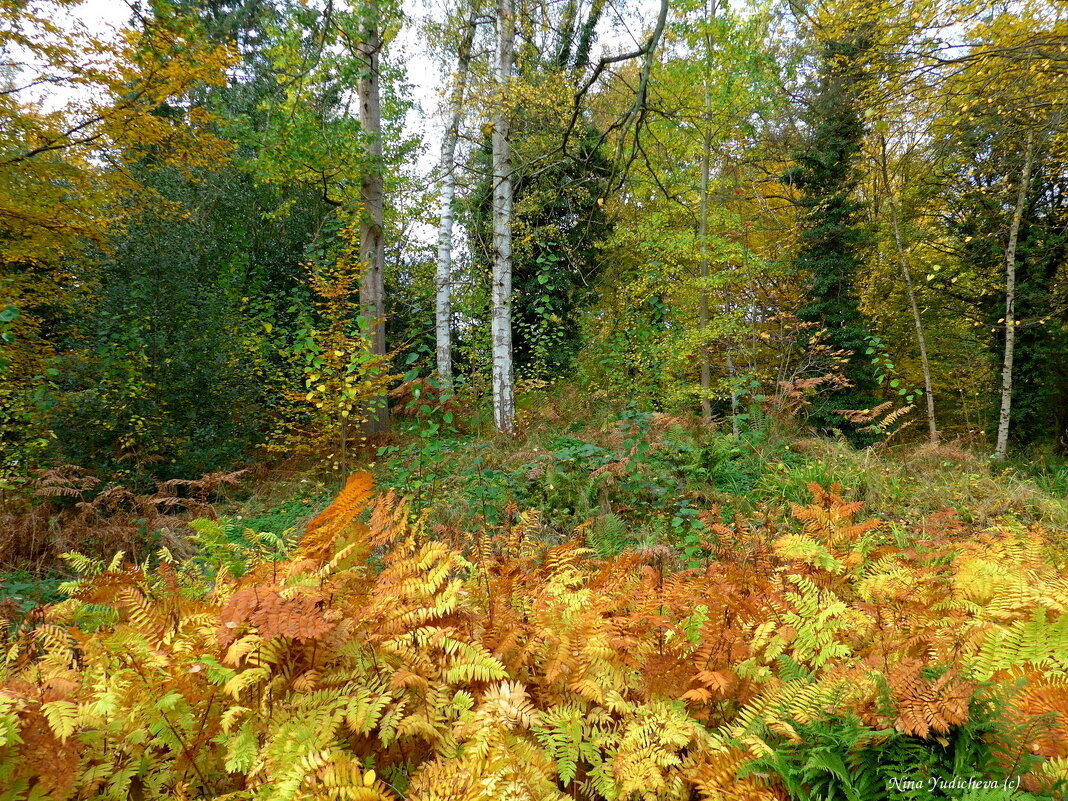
point(1001, 448)
point(372, 241)
point(893, 203)
point(832, 238)
point(447, 167)
point(702, 223)
point(76, 111)
point(1006, 103)
point(501, 294)
point(689, 271)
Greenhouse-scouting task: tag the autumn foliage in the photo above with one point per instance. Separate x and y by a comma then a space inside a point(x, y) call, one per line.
point(379, 660)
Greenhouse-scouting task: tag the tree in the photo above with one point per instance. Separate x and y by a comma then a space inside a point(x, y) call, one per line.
point(372, 243)
point(693, 269)
point(65, 189)
point(1002, 446)
point(447, 180)
point(1005, 104)
point(501, 311)
point(892, 202)
point(325, 60)
point(702, 232)
point(832, 238)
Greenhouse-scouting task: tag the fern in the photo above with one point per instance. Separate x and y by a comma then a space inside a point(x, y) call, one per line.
point(372, 661)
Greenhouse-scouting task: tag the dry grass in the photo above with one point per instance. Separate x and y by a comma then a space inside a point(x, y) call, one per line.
point(910, 482)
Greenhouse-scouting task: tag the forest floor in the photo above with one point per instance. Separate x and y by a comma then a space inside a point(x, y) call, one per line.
point(788, 617)
point(625, 479)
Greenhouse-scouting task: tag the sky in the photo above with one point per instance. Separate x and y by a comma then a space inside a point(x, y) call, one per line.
point(103, 16)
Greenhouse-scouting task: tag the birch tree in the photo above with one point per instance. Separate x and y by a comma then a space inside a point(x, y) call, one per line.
point(1005, 415)
point(501, 294)
point(443, 272)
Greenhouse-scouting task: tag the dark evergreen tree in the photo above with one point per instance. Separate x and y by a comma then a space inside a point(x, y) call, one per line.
point(833, 238)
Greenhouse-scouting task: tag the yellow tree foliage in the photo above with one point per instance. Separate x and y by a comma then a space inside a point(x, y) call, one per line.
point(76, 109)
point(77, 105)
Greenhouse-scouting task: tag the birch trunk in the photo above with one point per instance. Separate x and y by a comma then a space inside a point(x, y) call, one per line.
point(501, 326)
point(917, 321)
point(372, 244)
point(1001, 450)
point(443, 274)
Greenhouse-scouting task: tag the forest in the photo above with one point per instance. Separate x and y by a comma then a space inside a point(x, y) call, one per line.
point(533, 400)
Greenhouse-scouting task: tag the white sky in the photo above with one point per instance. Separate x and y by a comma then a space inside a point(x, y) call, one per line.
point(103, 16)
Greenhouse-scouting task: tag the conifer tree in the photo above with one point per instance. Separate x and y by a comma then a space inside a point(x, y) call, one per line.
point(833, 239)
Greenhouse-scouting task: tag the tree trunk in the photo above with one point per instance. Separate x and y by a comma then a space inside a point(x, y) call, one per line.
point(732, 372)
point(703, 270)
point(917, 321)
point(1001, 450)
point(503, 388)
point(372, 244)
point(443, 275)
point(702, 235)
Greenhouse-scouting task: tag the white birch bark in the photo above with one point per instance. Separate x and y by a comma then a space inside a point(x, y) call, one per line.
point(443, 273)
point(501, 324)
point(1001, 449)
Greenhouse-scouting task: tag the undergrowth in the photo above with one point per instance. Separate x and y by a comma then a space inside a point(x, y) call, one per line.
point(378, 657)
point(654, 473)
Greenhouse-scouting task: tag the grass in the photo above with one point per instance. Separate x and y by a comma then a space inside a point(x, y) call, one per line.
point(641, 479)
point(282, 505)
point(649, 471)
